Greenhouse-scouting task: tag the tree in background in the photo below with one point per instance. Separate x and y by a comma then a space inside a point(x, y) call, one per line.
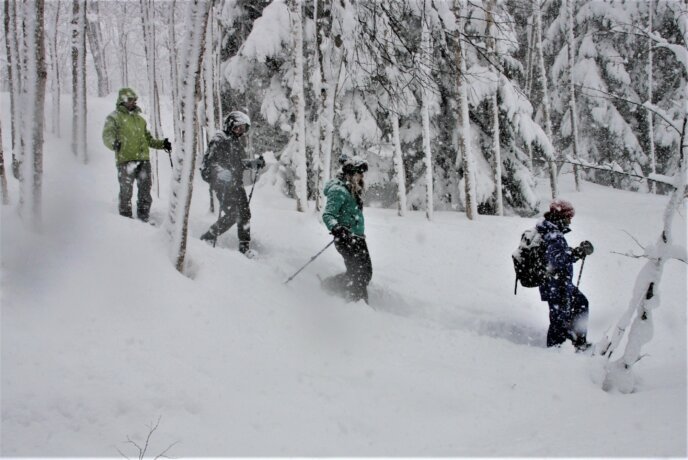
point(32, 104)
point(79, 95)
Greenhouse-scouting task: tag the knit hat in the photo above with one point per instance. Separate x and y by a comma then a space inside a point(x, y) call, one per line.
point(561, 209)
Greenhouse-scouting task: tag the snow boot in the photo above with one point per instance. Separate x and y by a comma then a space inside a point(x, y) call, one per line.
point(246, 250)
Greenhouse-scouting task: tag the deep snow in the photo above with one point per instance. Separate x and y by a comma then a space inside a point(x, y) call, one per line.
point(101, 336)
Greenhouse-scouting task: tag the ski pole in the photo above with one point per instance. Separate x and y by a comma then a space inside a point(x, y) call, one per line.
point(580, 273)
point(219, 216)
point(255, 178)
point(312, 259)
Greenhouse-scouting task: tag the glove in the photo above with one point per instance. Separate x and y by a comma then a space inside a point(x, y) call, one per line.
point(223, 175)
point(340, 232)
point(116, 145)
point(584, 249)
point(260, 162)
point(166, 146)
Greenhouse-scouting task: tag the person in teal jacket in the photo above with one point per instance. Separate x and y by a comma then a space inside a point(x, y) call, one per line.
point(126, 134)
point(343, 217)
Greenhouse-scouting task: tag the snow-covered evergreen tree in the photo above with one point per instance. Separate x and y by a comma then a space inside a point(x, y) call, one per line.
point(598, 65)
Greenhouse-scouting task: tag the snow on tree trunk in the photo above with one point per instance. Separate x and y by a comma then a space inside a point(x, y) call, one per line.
point(320, 96)
point(172, 45)
point(147, 22)
point(208, 118)
point(650, 127)
point(530, 61)
point(79, 80)
point(95, 40)
point(425, 116)
point(218, 35)
point(3, 178)
point(333, 84)
point(496, 148)
point(619, 373)
point(14, 69)
point(33, 103)
point(123, 48)
point(184, 166)
point(552, 166)
point(572, 92)
point(399, 172)
point(464, 121)
point(298, 142)
point(55, 66)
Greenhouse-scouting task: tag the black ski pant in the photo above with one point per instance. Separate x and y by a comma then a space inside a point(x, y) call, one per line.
point(568, 319)
point(234, 209)
point(127, 173)
point(359, 269)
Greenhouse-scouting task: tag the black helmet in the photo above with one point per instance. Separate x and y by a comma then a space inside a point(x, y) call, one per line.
point(236, 118)
point(353, 165)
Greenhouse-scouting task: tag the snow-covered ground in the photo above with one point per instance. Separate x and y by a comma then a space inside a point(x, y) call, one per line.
point(101, 337)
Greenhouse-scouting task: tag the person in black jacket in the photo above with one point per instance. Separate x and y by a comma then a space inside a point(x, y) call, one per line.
point(223, 168)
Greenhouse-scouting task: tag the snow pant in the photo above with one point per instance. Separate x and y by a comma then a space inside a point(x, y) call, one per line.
point(353, 283)
point(127, 173)
point(568, 319)
point(234, 209)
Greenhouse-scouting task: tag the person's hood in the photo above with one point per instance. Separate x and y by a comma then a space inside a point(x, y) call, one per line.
point(545, 226)
point(333, 183)
point(124, 94)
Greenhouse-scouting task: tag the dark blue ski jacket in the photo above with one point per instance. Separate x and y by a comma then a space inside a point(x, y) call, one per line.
point(558, 287)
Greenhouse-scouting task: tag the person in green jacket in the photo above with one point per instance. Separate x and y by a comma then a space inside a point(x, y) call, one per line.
point(126, 134)
point(343, 217)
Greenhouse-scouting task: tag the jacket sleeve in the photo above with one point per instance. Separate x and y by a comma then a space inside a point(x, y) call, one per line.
point(110, 132)
point(335, 200)
point(154, 143)
point(558, 255)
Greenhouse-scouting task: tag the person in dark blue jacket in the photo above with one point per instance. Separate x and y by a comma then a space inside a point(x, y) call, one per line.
point(568, 307)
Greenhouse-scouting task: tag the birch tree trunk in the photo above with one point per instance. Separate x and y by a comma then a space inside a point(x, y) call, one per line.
point(55, 65)
point(95, 40)
point(30, 186)
point(496, 148)
point(552, 166)
point(530, 61)
point(3, 178)
point(320, 95)
point(172, 46)
point(298, 100)
point(14, 69)
point(147, 18)
point(572, 91)
point(334, 81)
point(399, 171)
point(79, 80)
point(464, 121)
point(425, 116)
point(123, 48)
point(650, 124)
point(189, 93)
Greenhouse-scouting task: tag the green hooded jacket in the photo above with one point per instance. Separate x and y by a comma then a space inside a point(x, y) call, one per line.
point(130, 129)
point(342, 208)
